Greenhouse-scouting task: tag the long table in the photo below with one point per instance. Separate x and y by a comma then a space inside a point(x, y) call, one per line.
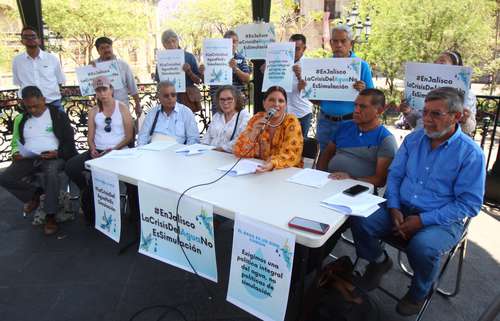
point(265, 197)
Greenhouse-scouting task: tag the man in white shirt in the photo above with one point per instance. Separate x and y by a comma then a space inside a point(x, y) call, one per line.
point(36, 67)
point(104, 47)
point(170, 118)
point(42, 141)
point(298, 105)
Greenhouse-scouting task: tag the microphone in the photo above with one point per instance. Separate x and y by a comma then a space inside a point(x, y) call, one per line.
point(270, 113)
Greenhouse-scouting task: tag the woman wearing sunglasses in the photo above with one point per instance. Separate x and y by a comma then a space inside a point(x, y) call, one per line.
point(110, 127)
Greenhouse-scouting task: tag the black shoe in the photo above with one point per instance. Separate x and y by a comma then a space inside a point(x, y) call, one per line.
point(373, 274)
point(407, 306)
point(87, 205)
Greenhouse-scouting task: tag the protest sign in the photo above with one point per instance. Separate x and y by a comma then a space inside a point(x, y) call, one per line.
point(86, 74)
point(421, 78)
point(279, 63)
point(261, 269)
point(331, 78)
point(169, 66)
point(217, 53)
point(254, 39)
point(107, 203)
point(165, 235)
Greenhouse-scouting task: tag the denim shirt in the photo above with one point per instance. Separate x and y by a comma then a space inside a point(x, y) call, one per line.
point(446, 183)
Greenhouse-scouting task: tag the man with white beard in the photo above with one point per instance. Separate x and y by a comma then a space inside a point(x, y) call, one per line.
point(435, 181)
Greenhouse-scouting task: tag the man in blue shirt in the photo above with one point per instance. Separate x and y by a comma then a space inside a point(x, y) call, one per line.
point(435, 181)
point(332, 113)
point(170, 118)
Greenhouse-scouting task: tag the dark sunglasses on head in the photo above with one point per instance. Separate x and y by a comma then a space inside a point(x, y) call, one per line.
point(173, 95)
point(107, 121)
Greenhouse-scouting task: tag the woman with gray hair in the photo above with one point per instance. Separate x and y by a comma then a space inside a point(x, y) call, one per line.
point(192, 97)
point(229, 121)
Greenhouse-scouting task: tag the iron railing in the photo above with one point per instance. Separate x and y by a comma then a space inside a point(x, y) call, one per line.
point(77, 107)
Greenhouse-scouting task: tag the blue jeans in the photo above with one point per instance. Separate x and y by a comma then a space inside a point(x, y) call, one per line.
point(325, 130)
point(56, 103)
point(424, 250)
point(305, 123)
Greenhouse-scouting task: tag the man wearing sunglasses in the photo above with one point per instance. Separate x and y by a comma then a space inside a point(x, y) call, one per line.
point(36, 67)
point(42, 141)
point(169, 120)
point(435, 181)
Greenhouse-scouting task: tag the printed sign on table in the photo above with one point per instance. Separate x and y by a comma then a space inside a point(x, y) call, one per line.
point(159, 230)
point(107, 203)
point(169, 65)
point(217, 53)
point(279, 63)
point(254, 39)
point(331, 78)
point(261, 269)
point(421, 78)
point(86, 74)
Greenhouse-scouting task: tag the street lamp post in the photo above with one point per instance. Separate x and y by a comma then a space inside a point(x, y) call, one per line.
point(362, 29)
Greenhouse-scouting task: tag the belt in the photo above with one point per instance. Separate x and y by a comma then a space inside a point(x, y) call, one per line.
point(337, 118)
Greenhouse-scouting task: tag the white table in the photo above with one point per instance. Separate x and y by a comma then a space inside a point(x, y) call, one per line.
point(265, 197)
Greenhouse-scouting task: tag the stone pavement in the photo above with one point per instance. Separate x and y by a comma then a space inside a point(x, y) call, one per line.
point(78, 276)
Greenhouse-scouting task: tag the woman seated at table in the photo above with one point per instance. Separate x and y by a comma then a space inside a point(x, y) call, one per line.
point(273, 136)
point(110, 127)
point(229, 121)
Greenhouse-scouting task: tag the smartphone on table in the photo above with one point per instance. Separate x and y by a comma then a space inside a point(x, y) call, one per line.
point(308, 225)
point(355, 190)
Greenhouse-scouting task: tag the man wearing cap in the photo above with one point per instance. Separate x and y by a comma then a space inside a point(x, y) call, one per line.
point(36, 67)
point(333, 112)
point(104, 47)
point(42, 141)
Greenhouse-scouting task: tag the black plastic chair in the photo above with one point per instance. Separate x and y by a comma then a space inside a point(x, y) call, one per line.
point(460, 247)
point(311, 149)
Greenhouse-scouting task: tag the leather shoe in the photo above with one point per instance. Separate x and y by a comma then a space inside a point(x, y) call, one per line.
point(407, 306)
point(373, 274)
point(32, 205)
point(50, 226)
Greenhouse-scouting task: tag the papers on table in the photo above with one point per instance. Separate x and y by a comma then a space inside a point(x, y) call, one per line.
point(194, 149)
point(124, 153)
point(310, 177)
point(360, 205)
point(157, 146)
point(244, 167)
point(25, 152)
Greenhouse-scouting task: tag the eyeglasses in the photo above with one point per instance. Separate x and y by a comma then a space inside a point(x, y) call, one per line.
point(107, 121)
point(173, 95)
point(434, 113)
point(226, 100)
point(29, 37)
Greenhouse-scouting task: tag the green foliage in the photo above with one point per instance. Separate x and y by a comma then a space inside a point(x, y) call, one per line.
point(204, 19)
point(419, 30)
point(318, 53)
point(86, 20)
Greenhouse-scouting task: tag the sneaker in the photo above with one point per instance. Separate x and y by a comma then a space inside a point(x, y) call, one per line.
point(407, 306)
point(373, 274)
point(50, 226)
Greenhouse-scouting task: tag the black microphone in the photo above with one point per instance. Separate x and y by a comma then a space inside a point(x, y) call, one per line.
point(270, 113)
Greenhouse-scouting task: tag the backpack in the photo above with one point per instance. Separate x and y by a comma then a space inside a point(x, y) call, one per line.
point(334, 297)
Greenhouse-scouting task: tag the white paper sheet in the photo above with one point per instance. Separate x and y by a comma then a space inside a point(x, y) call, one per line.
point(244, 167)
point(194, 149)
point(360, 205)
point(25, 152)
point(124, 153)
point(310, 177)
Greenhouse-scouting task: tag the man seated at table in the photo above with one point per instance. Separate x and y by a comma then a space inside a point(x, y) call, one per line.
point(362, 148)
point(435, 181)
point(169, 119)
point(46, 132)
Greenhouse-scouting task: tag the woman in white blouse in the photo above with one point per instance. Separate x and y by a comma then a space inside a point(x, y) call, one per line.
point(229, 121)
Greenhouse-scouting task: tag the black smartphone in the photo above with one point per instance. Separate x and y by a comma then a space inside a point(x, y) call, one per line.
point(308, 225)
point(355, 190)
